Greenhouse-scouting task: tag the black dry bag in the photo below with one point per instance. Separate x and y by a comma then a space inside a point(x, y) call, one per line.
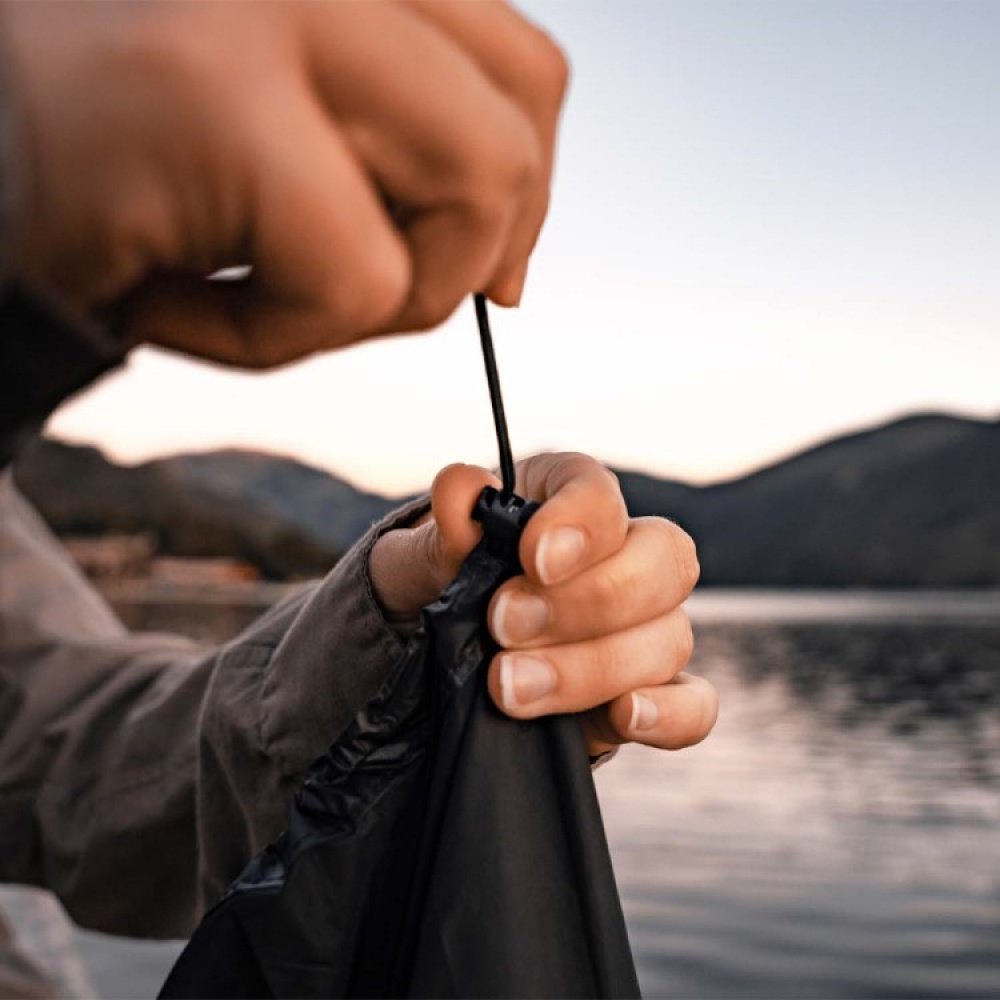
point(438, 848)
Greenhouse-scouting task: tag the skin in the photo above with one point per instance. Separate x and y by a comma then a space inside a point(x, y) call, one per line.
point(373, 164)
point(598, 606)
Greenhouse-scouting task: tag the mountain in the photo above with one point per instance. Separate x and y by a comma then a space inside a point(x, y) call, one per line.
point(913, 503)
point(286, 518)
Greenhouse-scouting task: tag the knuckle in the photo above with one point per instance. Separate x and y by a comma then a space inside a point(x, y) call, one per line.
point(599, 474)
point(533, 471)
point(683, 636)
point(613, 596)
point(548, 69)
point(500, 162)
point(257, 360)
point(703, 716)
point(388, 269)
point(576, 462)
point(263, 349)
point(612, 477)
point(431, 303)
point(627, 599)
point(345, 307)
point(557, 71)
point(710, 709)
point(608, 668)
point(262, 355)
point(376, 292)
point(518, 162)
point(187, 61)
point(685, 555)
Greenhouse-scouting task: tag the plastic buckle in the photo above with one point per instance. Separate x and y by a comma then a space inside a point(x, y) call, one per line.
point(503, 517)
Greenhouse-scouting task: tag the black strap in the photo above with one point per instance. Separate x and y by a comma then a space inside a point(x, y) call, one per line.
point(496, 400)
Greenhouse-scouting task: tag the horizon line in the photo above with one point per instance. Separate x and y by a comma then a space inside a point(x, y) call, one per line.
point(831, 437)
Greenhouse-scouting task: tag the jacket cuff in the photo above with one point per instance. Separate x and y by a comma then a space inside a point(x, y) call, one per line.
point(333, 658)
point(280, 694)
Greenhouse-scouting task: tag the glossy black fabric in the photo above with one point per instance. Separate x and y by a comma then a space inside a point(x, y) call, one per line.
point(438, 848)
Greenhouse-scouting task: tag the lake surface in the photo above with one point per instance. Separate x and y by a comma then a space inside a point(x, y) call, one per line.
point(838, 835)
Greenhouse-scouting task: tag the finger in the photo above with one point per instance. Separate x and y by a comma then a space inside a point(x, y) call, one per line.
point(439, 138)
point(577, 676)
point(328, 265)
point(583, 519)
point(530, 68)
point(649, 576)
point(671, 716)
point(410, 567)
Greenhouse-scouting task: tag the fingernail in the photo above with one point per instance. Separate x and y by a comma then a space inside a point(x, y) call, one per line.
point(645, 714)
point(559, 550)
point(518, 617)
point(524, 679)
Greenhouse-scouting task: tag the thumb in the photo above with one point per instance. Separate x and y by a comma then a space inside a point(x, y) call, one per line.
point(409, 567)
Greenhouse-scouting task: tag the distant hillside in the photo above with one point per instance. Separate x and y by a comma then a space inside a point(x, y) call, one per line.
point(914, 503)
point(284, 517)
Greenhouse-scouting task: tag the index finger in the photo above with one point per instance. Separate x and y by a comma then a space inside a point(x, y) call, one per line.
point(582, 521)
point(527, 65)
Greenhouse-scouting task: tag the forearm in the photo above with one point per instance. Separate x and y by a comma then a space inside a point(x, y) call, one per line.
point(138, 774)
point(97, 780)
point(93, 724)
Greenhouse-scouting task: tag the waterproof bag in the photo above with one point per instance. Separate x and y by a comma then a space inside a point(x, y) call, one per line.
point(438, 848)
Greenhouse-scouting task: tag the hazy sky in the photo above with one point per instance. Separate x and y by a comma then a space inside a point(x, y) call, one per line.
point(771, 222)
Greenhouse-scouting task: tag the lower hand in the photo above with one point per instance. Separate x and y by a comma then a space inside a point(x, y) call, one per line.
point(593, 626)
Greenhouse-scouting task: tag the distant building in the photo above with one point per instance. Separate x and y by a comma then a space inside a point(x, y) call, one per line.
point(192, 572)
point(133, 558)
point(113, 556)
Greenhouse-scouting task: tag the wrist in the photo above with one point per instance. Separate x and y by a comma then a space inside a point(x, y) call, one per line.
point(402, 621)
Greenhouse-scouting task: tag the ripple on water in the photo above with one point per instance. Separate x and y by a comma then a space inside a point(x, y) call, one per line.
point(838, 835)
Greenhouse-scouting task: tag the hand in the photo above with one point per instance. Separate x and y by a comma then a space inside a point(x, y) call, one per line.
point(374, 162)
point(595, 624)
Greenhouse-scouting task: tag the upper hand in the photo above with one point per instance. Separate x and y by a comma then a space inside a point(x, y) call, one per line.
point(375, 163)
point(595, 623)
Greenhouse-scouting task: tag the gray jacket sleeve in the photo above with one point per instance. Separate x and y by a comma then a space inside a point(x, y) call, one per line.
point(138, 773)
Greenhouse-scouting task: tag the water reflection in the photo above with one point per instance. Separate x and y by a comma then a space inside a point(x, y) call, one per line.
point(838, 835)
point(905, 678)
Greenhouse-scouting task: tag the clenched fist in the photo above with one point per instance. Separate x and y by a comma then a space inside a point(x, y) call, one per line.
point(374, 162)
point(595, 623)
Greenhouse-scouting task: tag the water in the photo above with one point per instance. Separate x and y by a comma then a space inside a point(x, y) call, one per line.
point(838, 834)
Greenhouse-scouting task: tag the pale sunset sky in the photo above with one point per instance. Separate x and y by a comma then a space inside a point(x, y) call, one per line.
point(771, 222)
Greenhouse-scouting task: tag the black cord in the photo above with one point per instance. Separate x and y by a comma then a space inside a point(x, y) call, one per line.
point(496, 400)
